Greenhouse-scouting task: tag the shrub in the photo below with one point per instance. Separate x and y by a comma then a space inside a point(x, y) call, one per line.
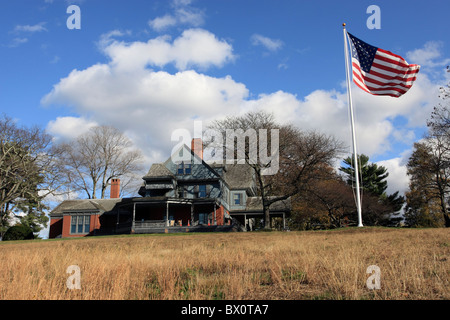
point(18, 232)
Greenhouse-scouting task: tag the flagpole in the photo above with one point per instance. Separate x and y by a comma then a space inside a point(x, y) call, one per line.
point(355, 154)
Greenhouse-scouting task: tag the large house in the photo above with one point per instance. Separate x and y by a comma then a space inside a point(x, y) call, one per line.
point(186, 195)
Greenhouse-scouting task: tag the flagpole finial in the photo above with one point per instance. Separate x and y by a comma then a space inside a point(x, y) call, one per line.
point(343, 24)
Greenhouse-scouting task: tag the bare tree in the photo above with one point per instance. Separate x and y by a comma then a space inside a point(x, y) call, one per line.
point(29, 170)
point(301, 156)
point(429, 164)
point(96, 157)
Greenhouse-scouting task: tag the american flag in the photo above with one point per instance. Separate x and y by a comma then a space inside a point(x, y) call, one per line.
point(380, 72)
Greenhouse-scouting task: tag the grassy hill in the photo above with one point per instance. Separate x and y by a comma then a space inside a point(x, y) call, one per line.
point(414, 264)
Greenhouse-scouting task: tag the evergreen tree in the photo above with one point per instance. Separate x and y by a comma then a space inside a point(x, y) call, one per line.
point(372, 177)
point(384, 209)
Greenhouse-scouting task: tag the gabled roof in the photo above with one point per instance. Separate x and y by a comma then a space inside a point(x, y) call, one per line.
point(158, 170)
point(161, 171)
point(84, 205)
point(238, 176)
point(190, 156)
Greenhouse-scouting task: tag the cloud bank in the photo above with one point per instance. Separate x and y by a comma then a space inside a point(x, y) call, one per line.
point(134, 92)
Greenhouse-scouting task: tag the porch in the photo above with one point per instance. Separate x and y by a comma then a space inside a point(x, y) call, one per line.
point(167, 215)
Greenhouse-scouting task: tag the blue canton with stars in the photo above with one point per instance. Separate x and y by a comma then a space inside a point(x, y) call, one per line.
point(363, 52)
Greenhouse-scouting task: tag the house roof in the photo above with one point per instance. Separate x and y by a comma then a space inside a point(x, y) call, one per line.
point(238, 176)
point(158, 170)
point(255, 204)
point(96, 205)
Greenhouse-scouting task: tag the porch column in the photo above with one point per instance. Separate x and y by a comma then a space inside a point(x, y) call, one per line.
point(167, 214)
point(134, 217)
point(215, 216)
point(192, 214)
point(245, 221)
point(284, 222)
point(117, 220)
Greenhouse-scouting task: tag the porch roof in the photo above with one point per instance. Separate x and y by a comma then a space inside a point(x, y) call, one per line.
point(129, 202)
point(254, 205)
point(85, 205)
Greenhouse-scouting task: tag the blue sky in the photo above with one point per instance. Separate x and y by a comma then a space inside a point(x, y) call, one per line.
point(150, 67)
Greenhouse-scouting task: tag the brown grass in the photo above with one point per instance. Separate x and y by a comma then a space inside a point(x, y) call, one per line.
point(291, 265)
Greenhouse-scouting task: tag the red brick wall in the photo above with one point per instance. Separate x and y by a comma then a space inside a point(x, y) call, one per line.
point(94, 224)
point(66, 227)
point(219, 216)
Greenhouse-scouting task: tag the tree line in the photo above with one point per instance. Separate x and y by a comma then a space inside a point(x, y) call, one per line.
point(33, 168)
point(321, 196)
point(429, 171)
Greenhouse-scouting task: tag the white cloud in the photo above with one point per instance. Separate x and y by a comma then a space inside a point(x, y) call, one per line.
point(17, 42)
point(183, 14)
point(161, 23)
point(190, 16)
point(28, 29)
point(428, 55)
point(149, 105)
point(55, 60)
point(404, 135)
point(398, 179)
point(194, 48)
point(107, 39)
point(31, 28)
point(268, 43)
point(67, 128)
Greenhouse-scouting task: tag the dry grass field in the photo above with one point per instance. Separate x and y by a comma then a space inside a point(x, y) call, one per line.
point(414, 264)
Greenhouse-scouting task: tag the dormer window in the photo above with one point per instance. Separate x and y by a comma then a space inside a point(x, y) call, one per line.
point(184, 168)
point(237, 198)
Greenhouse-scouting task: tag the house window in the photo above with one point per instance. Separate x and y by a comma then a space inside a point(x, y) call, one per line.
point(202, 191)
point(237, 198)
point(80, 224)
point(184, 168)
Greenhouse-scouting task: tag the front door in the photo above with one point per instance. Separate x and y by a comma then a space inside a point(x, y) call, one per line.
point(203, 218)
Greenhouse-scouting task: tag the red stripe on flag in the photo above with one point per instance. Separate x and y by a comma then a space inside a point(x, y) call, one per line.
point(385, 89)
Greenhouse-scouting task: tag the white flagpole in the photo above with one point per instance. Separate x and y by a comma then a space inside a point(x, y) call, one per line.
point(355, 154)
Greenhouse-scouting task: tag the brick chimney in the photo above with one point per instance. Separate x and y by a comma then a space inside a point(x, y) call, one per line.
point(197, 147)
point(115, 189)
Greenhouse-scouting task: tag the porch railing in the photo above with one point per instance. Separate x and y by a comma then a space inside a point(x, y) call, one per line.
point(149, 224)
